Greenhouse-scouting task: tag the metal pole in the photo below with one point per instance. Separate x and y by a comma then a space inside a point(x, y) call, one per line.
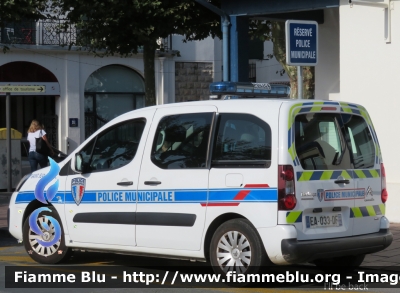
point(225, 48)
point(161, 95)
point(225, 33)
point(8, 141)
point(299, 82)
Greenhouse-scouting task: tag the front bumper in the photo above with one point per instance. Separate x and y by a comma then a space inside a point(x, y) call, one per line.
point(295, 251)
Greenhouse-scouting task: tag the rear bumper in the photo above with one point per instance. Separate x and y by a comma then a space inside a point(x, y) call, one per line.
point(295, 251)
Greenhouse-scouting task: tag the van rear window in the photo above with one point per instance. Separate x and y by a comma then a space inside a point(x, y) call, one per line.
point(360, 141)
point(327, 141)
point(319, 142)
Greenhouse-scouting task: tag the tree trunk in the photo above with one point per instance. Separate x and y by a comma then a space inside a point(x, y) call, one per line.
point(308, 82)
point(279, 51)
point(149, 53)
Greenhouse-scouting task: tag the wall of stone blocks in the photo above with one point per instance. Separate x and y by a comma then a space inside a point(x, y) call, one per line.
point(192, 80)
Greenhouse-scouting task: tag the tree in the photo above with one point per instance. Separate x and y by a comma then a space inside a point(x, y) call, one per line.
point(20, 10)
point(109, 27)
point(275, 31)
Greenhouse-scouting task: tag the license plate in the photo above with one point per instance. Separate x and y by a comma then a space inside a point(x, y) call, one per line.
point(324, 220)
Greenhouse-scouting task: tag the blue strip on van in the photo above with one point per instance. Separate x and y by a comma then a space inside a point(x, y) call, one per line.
point(162, 196)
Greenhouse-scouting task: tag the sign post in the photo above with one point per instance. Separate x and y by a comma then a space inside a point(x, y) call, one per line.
point(301, 47)
point(15, 89)
point(8, 142)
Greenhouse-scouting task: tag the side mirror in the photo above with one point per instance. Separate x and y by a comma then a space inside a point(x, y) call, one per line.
point(160, 140)
point(80, 165)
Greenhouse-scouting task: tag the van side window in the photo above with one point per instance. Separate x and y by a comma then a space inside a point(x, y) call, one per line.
point(319, 142)
point(181, 141)
point(242, 140)
point(360, 141)
point(114, 147)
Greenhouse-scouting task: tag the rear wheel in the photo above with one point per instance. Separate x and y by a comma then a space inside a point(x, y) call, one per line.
point(236, 247)
point(45, 243)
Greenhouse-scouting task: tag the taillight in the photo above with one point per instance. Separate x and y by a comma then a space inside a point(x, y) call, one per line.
point(286, 188)
point(384, 193)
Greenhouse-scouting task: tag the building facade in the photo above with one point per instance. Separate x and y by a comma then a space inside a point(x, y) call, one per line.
point(84, 86)
point(358, 45)
point(92, 90)
point(369, 61)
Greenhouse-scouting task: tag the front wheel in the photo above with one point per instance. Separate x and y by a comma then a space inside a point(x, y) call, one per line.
point(236, 247)
point(43, 237)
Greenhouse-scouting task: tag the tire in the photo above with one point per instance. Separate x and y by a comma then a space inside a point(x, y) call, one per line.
point(236, 246)
point(45, 254)
point(347, 263)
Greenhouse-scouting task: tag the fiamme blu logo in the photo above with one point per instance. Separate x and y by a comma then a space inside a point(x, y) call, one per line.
point(48, 234)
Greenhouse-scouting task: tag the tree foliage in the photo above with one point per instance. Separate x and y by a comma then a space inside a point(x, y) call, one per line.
point(275, 31)
point(18, 10)
point(108, 27)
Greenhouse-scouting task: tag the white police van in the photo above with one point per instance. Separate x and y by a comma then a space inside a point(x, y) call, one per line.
point(237, 182)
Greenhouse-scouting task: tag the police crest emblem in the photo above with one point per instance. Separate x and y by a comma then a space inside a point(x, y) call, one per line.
point(320, 194)
point(78, 189)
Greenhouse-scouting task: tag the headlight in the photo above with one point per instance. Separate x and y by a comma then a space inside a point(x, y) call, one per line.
point(22, 181)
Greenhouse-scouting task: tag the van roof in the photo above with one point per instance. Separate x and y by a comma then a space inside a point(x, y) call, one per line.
point(245, 103)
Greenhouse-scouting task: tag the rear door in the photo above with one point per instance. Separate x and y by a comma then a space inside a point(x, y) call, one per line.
point(325, 189)
point(364, 149)
point(243, 175)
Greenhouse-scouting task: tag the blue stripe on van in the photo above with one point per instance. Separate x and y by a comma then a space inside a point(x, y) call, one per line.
point(316, 175)
point(180, 196)
point(336, 174)
point(304, 110)
point(331, 103)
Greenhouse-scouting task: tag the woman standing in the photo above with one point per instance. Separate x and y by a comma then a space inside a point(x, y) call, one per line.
point(36, 131)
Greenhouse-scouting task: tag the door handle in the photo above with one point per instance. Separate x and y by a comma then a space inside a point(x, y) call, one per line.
point(152, 182)
point(125, 183)
point(341, 181)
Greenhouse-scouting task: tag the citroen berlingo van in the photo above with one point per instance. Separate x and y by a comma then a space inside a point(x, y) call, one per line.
point(237, 182)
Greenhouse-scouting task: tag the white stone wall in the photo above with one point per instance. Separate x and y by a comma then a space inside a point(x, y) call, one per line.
point(327, 71)
point(192, 80)
point(207, 54)
point(369, 75)
point(269, 70)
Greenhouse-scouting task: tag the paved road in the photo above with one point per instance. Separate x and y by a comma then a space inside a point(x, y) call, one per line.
point(13, 254)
